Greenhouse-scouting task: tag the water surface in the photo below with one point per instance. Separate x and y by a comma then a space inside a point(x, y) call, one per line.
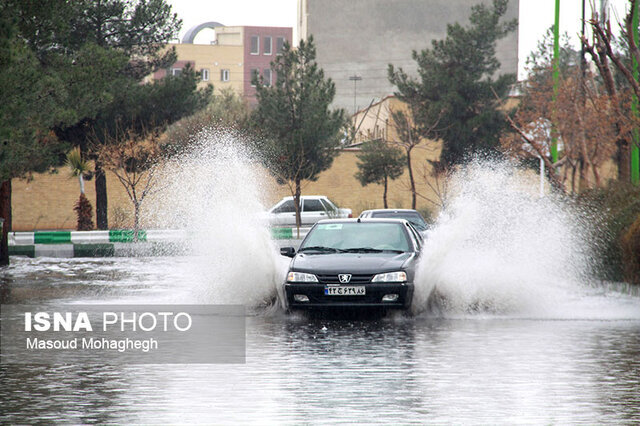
point(580, 365)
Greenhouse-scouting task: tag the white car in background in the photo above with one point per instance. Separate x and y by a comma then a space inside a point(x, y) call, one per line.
point(313, 208)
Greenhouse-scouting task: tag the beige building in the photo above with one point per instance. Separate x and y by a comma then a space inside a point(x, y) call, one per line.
point(219, 65)
point(233, 58)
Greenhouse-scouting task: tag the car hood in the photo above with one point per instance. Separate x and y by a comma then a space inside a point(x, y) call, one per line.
point(353, 263)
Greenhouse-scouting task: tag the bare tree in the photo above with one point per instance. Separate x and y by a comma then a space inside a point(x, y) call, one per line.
point(588, 126)
point(436, 177)
point(134, 159)
point(601, 50)
point(409, 134)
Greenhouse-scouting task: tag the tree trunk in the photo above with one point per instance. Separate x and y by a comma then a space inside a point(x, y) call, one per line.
point(596, 175)
point(102, 220)
point(384, 195)
point(136, 221)
point(565, 174)
point(583, 181)
point(5, 213)
point(412, 182)
point(296, 205)
point(623, 156)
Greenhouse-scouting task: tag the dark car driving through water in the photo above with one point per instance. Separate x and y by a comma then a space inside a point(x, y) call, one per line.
point(353, 263)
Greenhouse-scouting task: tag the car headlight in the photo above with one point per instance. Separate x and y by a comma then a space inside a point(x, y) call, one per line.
point(390, 277)
point(301, 277)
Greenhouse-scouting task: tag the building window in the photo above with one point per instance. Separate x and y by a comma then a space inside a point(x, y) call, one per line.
point(224, 75)
point(279, 44)
point(267, 45)
point(255, 45)
point(176, 71)
point(255, 72)
point(266, 75)
point(204, 73)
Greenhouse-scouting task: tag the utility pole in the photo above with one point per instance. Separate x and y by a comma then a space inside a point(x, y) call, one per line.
point(635, 151)
point(556, 78)
point(583, 60)
point(355, 79)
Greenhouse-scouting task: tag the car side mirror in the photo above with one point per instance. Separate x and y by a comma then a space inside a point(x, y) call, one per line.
point(287, 251)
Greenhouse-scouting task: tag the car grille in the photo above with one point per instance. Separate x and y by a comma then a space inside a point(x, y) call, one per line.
point(355, 279)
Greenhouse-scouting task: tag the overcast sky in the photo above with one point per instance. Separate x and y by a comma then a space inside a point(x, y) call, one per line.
point(535, 17)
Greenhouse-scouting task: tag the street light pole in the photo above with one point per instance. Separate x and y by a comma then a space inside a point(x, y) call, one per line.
point(355, 79)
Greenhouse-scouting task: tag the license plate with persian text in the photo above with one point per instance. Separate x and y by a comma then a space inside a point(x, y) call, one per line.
point(339, 290)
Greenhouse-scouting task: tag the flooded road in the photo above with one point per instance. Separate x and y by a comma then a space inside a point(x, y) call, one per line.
point(579, 363)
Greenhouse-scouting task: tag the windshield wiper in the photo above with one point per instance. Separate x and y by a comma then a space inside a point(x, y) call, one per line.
point(371, 250)
point(321, 248)
point(363, 250)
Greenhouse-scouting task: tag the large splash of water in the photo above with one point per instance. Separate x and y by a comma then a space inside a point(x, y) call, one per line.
point(215, 192)
point(498, 247)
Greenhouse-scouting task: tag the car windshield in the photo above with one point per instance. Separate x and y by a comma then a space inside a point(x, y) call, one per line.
point(362, 237)
point(413, 217)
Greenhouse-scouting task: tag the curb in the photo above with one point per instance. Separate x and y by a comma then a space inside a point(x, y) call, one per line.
point(141, 249)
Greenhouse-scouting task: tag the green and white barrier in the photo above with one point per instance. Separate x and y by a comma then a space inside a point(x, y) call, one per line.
point(288, 233)
point(94, 237)
point(111, 243)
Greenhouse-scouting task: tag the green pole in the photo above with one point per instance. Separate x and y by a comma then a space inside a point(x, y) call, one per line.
point(635, 151)
point(556, 78)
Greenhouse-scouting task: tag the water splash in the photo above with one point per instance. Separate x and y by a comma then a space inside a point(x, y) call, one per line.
point(215, 192)
point(500, 248)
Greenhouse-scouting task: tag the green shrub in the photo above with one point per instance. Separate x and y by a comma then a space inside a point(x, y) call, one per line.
point(630, 243)
point(612, 210)
point(84, 211)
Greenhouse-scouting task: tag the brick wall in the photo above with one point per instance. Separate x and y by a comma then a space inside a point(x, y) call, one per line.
point(47, 201)
point(339, 184)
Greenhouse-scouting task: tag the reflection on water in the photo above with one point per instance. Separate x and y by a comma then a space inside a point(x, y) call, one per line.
point(472, 369)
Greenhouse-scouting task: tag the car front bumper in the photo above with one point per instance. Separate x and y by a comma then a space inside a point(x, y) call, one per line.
point(372, 298)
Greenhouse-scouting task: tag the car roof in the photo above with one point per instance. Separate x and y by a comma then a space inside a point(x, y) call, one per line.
point(390, 210)
point(364, 220)
point(305, 196)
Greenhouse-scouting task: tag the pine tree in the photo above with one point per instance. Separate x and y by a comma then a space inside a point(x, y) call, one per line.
point(379, 162)
point(455, 94)
point(300, 135)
